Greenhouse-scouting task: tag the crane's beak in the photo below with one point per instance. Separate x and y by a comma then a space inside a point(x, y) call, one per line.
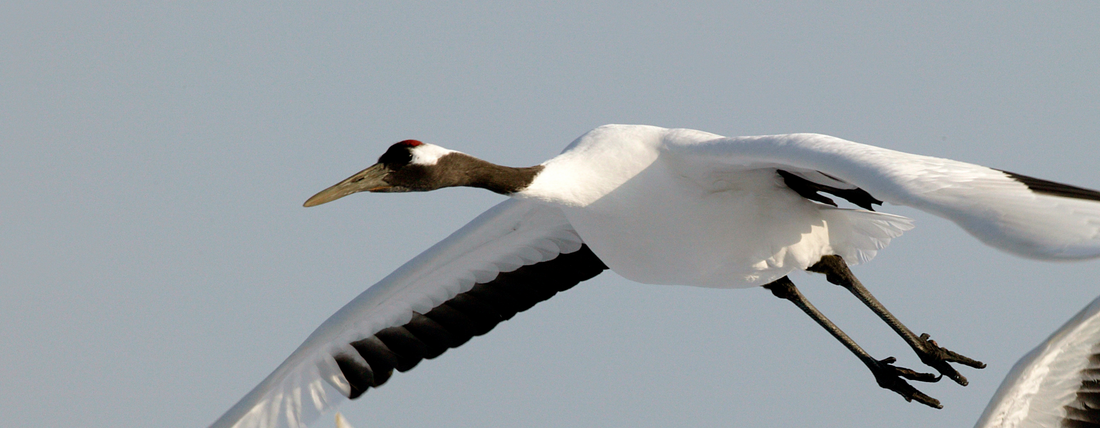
point(367, 180)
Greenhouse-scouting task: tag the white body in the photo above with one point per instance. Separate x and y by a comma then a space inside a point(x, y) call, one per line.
point(680, 207)
point(687, 207)
point(657, 216)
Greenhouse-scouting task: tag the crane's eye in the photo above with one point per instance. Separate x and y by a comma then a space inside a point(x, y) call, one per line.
point(398, 155)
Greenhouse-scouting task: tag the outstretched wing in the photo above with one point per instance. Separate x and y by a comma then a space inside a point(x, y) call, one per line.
point(1016, 213)
point(1055, 385)
point(509, 258)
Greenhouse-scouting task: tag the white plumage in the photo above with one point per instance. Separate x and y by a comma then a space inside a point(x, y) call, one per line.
point(987, 203)
point(507, 236)
point(341, 422)
point(697, 220)
point(666, 206)
point(1055, 385)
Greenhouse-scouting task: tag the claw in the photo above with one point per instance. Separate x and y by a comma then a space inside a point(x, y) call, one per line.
point(890, 377)
point(939, 358)
point(910, 373)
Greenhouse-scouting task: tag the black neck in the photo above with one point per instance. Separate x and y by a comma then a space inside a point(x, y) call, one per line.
point(457, 169)
point(501, 179)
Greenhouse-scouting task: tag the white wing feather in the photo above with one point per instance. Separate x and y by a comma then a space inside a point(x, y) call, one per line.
point(510, 235)
point(341, 422)
point(1037, 389)
point(987, 203)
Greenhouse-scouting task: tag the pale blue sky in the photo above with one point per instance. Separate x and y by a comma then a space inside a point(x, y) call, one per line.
point(156, 262)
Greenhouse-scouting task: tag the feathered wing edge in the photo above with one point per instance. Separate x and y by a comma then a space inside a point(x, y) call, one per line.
point(508, 236)
point(857, 235)
point(1045, 384)
point(342, 422)
point(1024, 216)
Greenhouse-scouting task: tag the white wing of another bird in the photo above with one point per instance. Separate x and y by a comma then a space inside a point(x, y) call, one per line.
point(1055, 385)
point(1019, 214)
point(509, 258)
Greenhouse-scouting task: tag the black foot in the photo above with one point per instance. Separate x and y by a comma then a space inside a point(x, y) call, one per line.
point(891, 377)
point(939, 358)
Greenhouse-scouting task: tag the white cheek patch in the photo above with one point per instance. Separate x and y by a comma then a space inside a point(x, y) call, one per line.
point(428, 154)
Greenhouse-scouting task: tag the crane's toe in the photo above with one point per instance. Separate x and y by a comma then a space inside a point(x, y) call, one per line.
point(893, 378)
point(939, 358)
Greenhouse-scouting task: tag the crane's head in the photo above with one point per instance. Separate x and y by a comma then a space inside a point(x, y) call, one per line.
point(405, 167)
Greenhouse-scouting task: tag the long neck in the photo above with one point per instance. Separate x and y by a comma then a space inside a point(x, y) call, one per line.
point(459, 169)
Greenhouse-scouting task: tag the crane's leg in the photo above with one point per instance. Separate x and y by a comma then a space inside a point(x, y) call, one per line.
point(886, 374)
point(836, 271)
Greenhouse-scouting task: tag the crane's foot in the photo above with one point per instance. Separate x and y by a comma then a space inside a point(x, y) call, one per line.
point(939, 358)
point(893, 378)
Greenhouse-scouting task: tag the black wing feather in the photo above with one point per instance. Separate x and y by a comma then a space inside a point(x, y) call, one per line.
point(469, 314)
point(809, 190)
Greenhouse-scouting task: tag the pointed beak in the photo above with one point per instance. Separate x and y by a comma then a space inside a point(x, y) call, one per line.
point(367, 180)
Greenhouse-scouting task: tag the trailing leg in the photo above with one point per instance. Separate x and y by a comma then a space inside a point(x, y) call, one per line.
point(836, 271)
point(886, 374)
